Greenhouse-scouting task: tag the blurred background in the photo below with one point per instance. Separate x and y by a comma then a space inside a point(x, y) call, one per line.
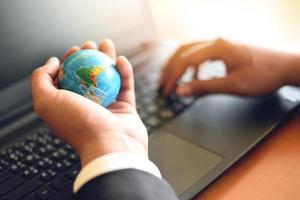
point(268, 23)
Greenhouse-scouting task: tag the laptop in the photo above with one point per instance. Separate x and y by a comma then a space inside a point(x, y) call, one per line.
point(192, 141)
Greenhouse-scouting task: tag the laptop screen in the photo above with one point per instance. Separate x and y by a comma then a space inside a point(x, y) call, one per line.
point(31, 31)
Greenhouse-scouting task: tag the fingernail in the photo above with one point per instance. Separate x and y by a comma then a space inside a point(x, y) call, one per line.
point(109, 41)
point(125, 59)
point(184, 91)
point(52, 60)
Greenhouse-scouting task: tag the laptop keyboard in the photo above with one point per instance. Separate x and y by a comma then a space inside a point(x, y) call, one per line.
point(40, 166)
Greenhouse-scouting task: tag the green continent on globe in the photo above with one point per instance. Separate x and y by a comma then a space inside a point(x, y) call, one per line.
point(88, 75)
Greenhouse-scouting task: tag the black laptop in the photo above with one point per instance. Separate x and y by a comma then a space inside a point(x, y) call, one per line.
point(192, 141)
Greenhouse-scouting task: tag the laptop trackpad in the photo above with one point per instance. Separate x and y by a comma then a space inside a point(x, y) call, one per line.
point(181, 162)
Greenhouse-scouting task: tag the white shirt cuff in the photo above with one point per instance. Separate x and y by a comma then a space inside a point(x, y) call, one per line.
point(113, 162)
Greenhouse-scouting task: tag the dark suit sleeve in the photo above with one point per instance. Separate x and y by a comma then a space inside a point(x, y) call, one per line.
point(129, 184)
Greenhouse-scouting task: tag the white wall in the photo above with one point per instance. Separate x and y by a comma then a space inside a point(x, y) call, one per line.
point(271, 23)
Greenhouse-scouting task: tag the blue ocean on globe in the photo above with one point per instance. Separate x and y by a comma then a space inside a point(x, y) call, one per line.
point(92, 74)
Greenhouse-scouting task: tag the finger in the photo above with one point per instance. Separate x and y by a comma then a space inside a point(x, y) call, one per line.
point(108, 47)
point(42, 80)
point(126, 93)
point(89, 45)
point(70, 52)
point(195, 57)
point(199, 88)
point(170, 63)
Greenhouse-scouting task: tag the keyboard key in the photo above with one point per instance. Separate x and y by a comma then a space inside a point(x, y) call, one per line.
point(15, 168)
point(4, 163)
point(19, 154)
point(13, 157)
point(73, 157)
point(44, 192)
point(160, 101)
point(42, 150)
point(31, 137)
point(60, 167)
point(59, 182)
point(41, 164)
point(3, 152)
point(57, 142)
point(28, 149)
point(41, 141)
point(36, 157)
point(10, 184)
point(166, 114)
point(153, 121)
point(23, 190)
point(6, 152)
point(43, 131)
point(68, 148)
point(34, 170)
point(47, 175)
point(66, 163)
point(49, 147)
point(28, 174)
point(55, 155)
point(145, 100)
point(62, 152)
point(151, 108)
point(32, 145)
point(72, 172)
point(21, 165)
point(29, 159)
point(19, 144)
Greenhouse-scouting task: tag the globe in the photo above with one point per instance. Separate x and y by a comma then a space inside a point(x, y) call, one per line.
point(92, 74)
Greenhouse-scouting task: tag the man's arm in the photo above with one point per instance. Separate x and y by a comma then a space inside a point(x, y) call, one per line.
point(112, 143)
point(128, 184)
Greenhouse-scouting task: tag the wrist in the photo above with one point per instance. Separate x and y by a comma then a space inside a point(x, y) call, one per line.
point(97, 148)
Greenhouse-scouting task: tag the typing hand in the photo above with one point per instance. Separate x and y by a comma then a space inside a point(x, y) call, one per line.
point(250, 70)
point(89, 128)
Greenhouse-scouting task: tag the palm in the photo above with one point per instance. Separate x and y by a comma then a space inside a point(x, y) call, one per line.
point(119, 117)
point(129, 122)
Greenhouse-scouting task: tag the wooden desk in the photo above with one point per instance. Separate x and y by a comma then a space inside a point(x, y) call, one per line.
point(270, 172)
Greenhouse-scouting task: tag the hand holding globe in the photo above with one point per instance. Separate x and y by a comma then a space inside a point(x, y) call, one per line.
point(89, 128)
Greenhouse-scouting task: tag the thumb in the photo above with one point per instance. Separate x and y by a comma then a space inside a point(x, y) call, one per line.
point(51, 67)
point(42, 79)
point(126, 93)
point(203, 87)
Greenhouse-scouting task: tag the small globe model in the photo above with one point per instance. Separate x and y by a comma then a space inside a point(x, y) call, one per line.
point(92, 74)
